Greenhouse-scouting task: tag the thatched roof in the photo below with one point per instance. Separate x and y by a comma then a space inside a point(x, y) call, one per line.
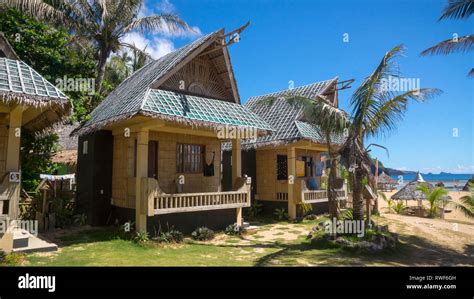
point(287, 120)
point(409, 192)
point(21, 84)
point(6, 50)
point(68, 145)
point(68, 157)
point(145, 92)
point(384, 178)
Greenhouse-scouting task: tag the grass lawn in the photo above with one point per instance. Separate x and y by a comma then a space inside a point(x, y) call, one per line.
point(273, 244)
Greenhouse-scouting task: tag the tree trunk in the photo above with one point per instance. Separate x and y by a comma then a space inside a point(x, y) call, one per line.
point(332, 194)
point(101, 71)
point(357, 198)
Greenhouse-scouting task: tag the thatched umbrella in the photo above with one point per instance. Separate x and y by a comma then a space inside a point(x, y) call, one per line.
point(385, 180)
point(409, 192)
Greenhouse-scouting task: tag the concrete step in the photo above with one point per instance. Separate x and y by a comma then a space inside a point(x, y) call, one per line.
point(20, 238)
point(35, 244)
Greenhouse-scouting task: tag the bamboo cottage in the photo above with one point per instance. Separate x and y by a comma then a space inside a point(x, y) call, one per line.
point(288, 164)
point(151, 152)
point(27, 101)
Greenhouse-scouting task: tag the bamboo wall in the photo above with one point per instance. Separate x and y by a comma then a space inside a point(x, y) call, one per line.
point(267, 183)
point(123, 182)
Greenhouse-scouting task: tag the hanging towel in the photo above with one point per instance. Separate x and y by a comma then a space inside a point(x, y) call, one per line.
point(209, 168)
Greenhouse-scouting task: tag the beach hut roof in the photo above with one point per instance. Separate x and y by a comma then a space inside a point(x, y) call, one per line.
point(146, 92)
point(288, 120)
point(409, 192)
point(21, 84)
point(384, 178)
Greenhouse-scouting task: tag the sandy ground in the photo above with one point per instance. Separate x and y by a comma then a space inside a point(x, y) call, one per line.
point(454, 234)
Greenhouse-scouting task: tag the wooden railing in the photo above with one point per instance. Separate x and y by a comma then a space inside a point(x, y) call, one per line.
point(315, 196)
point(163, 203)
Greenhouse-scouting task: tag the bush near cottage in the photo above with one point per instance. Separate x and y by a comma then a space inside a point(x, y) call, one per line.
point(235, 230)
point(202, 234)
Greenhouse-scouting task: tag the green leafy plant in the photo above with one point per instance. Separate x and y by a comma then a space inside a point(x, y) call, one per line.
point(141, 237)
point(436, 198)
point(202, 234)
point(347, 214)
point(254, 210)
point(170, 236)
point(234, 229)
point(467, 203)
point(80, 219)
point(305, 208)
point(281, 214)
point(390, 202)
point(399, 207)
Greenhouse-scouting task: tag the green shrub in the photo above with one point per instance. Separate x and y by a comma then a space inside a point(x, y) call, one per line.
point(234, 229)
point(311, 217)
point(141, 237)
point(202, 234)
point(12, 259)
point(399, 207)
point(3, 255)
point(254, 210)
point(171, 236)
point(281, 214)
point(305, 208)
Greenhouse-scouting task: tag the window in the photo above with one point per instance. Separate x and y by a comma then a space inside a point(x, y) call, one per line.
point(85, 148)
point(189, 158)
point(282, 167)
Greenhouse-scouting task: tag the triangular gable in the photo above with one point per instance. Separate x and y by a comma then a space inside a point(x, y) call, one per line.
point(207, 71)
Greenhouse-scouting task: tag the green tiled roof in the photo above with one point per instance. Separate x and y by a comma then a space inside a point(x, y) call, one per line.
point(19, 78)
point(196, 109)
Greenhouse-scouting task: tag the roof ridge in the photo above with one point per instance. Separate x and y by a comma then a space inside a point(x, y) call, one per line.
point(302, 86)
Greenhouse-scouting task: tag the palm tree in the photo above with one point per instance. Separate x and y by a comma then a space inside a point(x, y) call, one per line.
point(437, 197)
point(376, 109)
point(332, 122)
point(467, 203)
point(456, 9)
point(102, 23)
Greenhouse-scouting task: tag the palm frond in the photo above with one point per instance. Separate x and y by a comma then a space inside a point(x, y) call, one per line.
point(462, 44)
point(158, 22)
point(363, 100)
point(458, 9)
point(387, 113)
point(38, 9)
point(471, 73)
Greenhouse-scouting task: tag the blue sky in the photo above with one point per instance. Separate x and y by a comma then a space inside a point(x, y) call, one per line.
point(302, 41)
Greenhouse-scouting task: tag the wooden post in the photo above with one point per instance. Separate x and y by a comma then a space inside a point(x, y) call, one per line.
point(237, 170)
point(141, 197)
point(291, 159)
point(13, 156)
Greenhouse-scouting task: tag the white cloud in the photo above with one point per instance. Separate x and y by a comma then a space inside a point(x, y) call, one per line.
point(155, 46)
point(165, 6)
point(159, 42)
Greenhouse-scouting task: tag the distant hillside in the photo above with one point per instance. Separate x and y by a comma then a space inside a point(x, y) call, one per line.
point(390, 171)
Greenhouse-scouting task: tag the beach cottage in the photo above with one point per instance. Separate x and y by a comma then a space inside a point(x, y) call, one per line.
point(287, 165)
point(27, 101)
point(151, 150)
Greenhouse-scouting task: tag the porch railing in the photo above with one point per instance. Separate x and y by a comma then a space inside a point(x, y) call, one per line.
point(160, 202)
point(315, 196)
